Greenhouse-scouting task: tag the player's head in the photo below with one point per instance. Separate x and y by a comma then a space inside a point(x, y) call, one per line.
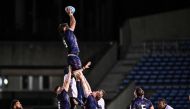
point(138, 92)
point(162, 103)
point(99, 94)
point(15, 104)
point(62, 27)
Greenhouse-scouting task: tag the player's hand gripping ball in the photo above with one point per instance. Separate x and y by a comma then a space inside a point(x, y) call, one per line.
point(71, 8)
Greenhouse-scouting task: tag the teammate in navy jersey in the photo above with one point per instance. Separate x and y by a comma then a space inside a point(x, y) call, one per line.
point(92, 97)
point(62, 92)
point(70, 42)
point(140, 102)
point(74, 88)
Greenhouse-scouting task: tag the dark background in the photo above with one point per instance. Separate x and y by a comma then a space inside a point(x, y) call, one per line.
point(97, 20)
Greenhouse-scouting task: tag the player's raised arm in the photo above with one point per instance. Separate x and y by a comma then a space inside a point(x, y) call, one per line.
point(67, 80)
point(85, 84)
point(70, 11)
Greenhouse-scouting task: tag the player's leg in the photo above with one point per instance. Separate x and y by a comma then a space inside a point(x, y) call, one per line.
point(84, 83)
point(75, 62)
point(80, 93)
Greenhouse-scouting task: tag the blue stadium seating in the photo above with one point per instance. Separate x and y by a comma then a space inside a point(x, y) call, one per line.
point(167, 75)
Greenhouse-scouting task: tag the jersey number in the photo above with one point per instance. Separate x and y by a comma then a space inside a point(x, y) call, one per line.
point(143, 107)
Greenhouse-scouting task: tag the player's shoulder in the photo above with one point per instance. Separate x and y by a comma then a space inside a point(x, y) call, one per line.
point(169, 107)
point(90, 97)
point(101, 100)
point(147, 100)
point(70, 29)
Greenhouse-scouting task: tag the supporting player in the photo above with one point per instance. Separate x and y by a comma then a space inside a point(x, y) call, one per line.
point(62, 92)
point(140, 102)
point(91, 96)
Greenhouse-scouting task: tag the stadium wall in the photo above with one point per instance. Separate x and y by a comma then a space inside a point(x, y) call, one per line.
point(173, 24)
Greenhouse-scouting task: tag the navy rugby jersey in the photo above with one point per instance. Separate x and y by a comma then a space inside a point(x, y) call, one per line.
point(141, 103)
point(63, 100)
point(91, 102)
point(70, 41)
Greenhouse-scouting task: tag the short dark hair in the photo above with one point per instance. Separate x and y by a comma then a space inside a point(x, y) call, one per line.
point(13, 102)
point(162, 100)
point(61, 26)
point(98, 97)
point(103, 91)
point(139, 92)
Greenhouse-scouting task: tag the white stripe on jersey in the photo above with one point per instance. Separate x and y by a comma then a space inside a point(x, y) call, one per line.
point(64, 42)
point(59, 106)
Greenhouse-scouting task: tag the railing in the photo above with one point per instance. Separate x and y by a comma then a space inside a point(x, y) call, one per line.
point(166, 46)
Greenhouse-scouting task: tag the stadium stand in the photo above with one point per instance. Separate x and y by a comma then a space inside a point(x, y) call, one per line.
point(164, 72)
